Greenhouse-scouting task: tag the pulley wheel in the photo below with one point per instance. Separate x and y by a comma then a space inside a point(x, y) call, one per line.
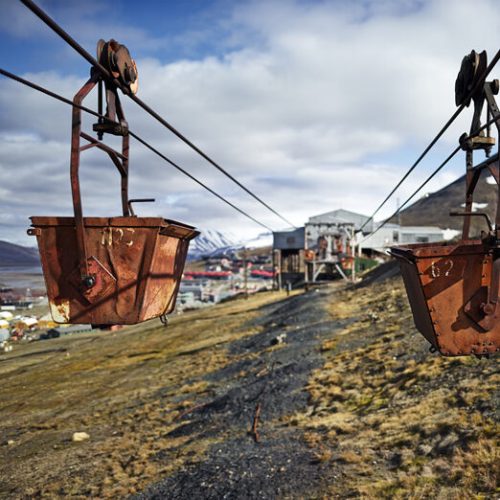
point(473, 66)
point(116, 58)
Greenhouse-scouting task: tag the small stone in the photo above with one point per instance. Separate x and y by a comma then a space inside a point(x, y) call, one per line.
point(427, 471)
point(80, 436)
point(424, 449)
point(10, 442)
point(447, 444)
point(279, 339)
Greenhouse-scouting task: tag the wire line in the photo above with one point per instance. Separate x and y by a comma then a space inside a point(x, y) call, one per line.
point(437, 137)
point(455, 151)
point(431, 176)
point(73, 43)
point(60, 98)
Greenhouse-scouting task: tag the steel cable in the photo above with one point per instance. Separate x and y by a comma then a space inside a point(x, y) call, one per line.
point(429, 178)
point(60, 98)
point(436, 138)
point(73, 43)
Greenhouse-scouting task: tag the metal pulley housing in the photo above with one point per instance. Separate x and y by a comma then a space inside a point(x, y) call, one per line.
point(116, 58)
point(473, 66)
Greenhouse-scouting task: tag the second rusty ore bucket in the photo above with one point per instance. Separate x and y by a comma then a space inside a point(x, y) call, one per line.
point(454, 288)
point(446, 286)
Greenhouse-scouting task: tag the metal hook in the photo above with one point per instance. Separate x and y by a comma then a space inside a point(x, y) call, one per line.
point(164, 320)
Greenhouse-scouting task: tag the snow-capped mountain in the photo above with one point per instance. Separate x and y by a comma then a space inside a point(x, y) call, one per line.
point(260, 241)
point(211, 242)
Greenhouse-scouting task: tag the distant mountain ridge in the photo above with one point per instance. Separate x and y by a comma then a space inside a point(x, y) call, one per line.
point(209, 242)
point(17, 255)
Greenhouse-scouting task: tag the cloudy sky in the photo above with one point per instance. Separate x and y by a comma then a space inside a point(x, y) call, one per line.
point(314, 105)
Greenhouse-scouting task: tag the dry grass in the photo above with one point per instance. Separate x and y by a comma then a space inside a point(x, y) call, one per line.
point(385, 419)
point(400, 422)
point(126, 389)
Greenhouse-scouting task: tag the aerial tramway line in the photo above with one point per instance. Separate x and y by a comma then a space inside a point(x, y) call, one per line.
point(454, 289)
point(127, 269)
point(113, 270)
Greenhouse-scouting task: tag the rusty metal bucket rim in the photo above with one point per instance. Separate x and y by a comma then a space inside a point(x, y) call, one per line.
point(416, 251)
point(166, 226)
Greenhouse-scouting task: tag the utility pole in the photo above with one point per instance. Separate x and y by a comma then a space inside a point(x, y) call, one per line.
point(353, 253)
point(351, 232)
point(245, 271)
point(276, 269)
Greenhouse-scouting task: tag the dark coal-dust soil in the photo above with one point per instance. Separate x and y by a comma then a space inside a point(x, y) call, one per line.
point(325, 394)
point(269, 460)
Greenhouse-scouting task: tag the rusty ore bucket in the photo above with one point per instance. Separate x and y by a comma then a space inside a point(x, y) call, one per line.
point(137, 263)
point(447, 286)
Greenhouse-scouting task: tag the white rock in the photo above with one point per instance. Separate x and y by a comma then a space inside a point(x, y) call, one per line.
point(80, 436)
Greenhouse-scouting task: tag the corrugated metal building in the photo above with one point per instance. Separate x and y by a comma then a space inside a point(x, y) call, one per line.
point(342, 216)
point(319, 249)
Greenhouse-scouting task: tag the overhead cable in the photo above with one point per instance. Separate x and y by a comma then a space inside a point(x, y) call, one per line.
point(60, 98)
point(455, 151)
point(73, 43)
point(430, 177)
point(437, 137)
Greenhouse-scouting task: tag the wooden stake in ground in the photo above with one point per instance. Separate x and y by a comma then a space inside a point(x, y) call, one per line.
point(254, 432)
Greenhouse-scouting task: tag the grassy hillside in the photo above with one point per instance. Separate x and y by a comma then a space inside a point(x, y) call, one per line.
point(326, 394)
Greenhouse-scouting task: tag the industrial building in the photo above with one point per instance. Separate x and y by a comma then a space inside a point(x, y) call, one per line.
point(319, 250)
point(329, 239)
point(324, 249)
point(394, 234)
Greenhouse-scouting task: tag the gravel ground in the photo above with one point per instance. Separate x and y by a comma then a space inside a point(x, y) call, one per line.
point(277, 462)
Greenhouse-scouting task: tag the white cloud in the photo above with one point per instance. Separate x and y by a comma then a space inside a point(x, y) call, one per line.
point(309, 114)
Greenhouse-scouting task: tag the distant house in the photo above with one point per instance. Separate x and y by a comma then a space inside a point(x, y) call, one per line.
point(4, 334)
point(394, 235)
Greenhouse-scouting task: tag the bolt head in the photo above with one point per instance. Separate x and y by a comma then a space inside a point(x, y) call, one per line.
point(88, 281)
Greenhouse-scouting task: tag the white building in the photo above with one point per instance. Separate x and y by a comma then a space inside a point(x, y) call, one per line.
point(394, 235)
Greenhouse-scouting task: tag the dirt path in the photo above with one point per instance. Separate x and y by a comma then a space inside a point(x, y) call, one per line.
point(276, 460)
